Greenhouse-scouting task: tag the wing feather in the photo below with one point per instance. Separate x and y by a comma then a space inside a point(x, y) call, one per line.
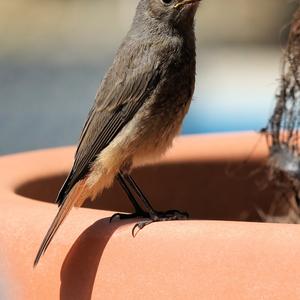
point(104, 123)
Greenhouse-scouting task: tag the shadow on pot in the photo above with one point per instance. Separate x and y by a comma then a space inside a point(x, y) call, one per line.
point(80, 267)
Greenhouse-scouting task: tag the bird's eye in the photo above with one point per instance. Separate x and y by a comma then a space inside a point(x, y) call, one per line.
point(167, 2)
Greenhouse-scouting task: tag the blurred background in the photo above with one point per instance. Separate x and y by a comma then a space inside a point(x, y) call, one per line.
point(54, 53)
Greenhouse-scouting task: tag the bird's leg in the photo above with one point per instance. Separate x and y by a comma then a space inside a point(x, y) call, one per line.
point(139, 212)
point(127, 190)
point(154, 216)
point(140, 194)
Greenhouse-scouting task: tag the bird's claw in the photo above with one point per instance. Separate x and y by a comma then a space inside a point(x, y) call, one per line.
point(170, 215)
point(120, 216)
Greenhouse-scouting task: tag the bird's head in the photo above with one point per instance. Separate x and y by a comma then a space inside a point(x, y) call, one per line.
point(176, 12)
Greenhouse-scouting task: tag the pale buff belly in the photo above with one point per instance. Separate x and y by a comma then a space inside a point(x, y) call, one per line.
point(134, 146)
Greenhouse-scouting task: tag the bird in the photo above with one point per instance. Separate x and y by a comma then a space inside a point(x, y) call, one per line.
point(138, 110)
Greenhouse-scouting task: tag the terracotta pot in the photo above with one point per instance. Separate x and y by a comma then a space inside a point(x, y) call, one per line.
point(92, 259)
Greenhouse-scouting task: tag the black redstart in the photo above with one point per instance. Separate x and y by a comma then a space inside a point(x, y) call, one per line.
point(139, 109)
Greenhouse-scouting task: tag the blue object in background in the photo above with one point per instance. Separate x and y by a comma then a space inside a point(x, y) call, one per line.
point(235, 90)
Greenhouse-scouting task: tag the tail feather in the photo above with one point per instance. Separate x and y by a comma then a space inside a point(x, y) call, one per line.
point(71, 200)
point(65, 189)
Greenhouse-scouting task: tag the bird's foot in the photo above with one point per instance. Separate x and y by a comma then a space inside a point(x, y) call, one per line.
point(139, 214)
point(170, 215)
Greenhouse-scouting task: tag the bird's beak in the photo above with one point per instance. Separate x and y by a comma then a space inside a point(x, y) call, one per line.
point(185, 2)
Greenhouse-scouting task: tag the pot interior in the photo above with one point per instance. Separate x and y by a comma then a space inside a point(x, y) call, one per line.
point(217, 190)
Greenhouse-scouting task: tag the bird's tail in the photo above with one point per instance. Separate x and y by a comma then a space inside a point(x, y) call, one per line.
point(71, 200)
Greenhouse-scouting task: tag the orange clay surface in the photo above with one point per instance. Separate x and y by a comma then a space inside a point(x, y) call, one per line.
point(197, 259)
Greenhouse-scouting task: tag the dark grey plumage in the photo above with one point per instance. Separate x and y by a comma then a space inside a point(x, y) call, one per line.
point(140, 104)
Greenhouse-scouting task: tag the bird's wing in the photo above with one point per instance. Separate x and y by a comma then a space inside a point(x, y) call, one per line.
point(107, 117)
